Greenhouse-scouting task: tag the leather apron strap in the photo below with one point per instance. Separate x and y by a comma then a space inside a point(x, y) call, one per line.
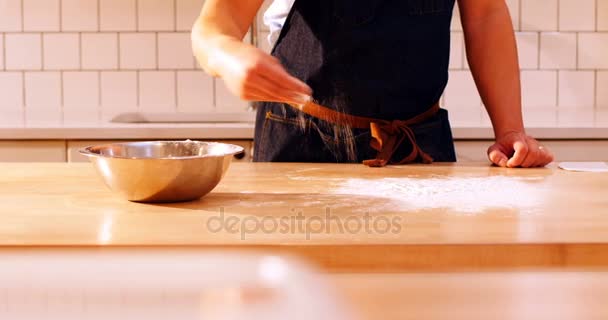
point(387, 135)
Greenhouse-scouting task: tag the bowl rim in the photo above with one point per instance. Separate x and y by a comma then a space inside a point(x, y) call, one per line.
point(86, 151)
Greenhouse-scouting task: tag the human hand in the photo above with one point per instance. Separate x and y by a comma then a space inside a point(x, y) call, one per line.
point(253, 75)
point(516, 149)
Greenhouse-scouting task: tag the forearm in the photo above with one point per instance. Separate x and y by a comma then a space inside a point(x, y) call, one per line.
point(222, 23)
point(492, 55)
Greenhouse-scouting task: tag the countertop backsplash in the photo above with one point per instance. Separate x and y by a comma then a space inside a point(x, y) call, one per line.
point(81, 62)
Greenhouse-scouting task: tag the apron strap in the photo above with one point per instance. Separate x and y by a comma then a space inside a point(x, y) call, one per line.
point(387, 135)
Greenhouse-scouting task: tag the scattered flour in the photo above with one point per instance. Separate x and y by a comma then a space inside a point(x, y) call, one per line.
point(474, 194)
point(462, 194)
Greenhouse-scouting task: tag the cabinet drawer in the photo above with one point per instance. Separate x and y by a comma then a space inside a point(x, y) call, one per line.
point(32, 151)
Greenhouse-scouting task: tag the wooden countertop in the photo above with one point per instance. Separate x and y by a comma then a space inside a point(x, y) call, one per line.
point(394, 218)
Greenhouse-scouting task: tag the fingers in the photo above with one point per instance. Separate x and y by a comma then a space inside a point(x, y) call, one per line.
point(545, 157)
point(273, 71)
point(267, 80)
point(270, 91)
point(521, 151)
point(497, 157)
point(534, 154)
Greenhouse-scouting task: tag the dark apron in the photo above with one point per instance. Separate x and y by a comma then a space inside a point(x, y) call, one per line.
point(384, 59)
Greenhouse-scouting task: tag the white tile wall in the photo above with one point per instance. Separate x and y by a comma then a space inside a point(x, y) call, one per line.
point(175, 51)
point(41, 15)
point(61, 51)
point(574, 117)
point(99, 51)
point(117, 15)
point(539, 15)
point(11, 103)
point(557, 50)
point(602, 90)
point(456, 50)
point(576, 89)
point(514, 9)
point(156, 15)
point(577, 15)
point(186, 13)
point(157, 91)
point(593, 50)
point(23, 51)
point(194, 91)
point(137, 50)
point(602, 15)
point(79, 15)
point(86, 60)
point(1, 51)
point(10, 15)
point(539, 89)
point(43, 98)
point(80, 97)
point(118, 93)
point(527, 49)
point(225, 101)
point(461, 91)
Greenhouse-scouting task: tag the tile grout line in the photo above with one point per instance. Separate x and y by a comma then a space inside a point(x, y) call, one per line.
point(137, 85)
point(576, 64)
point(597, 15)
point(538, 48)
point(595, 93)
point(174, 15)
point(99, 113)
point(156, 49)
point(519, 9)
point(175, 90)
point(61, 97)
point(214, 86)
point(60, 4)
point(22, 16)
point(98, 26)
point(3, 51)
point(41, 51)
point(80, 51)
point(136, 3)
point(118, 60)
point(176, 95)
point(559, 19)
point(557, 95)
point(23, 97)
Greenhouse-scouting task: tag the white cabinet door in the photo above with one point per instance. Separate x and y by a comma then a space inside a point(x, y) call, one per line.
point(32, 151)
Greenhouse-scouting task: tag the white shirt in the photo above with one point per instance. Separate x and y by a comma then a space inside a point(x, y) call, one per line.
point(275, 17)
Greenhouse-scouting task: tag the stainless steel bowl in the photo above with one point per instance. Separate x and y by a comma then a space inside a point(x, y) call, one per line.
point(162, 171)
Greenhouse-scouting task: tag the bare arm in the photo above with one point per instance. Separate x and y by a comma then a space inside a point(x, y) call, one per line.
point(248, 72)
point(492, 56)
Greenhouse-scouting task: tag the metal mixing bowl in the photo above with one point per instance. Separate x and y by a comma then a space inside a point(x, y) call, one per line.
point(162, 171)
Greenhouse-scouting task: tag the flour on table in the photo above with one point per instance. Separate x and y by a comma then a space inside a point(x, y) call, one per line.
point(458, 194)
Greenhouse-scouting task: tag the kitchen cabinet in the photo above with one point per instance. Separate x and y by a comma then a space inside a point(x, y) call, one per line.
point(32, 151)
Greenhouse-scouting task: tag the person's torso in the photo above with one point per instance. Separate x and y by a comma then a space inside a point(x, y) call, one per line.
point(376, 58)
